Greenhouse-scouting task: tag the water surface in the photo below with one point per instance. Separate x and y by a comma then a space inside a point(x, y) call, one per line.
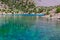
point(28, 28)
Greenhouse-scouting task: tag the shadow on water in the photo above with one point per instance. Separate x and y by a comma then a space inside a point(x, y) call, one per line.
point(28, 28)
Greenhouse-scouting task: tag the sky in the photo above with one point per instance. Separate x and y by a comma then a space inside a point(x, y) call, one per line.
point(47, 2)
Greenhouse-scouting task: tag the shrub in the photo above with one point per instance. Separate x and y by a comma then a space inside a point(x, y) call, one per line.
point(40, 10)
point(0, 9)
point(47, 13)
point(58, 10)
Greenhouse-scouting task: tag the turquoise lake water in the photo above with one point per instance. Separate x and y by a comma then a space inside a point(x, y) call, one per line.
point(28, 28)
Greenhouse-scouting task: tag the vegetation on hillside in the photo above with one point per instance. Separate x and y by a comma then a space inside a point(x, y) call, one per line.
point(47, 12)
point(26, 6)
point(21, 5)
point(58, 10)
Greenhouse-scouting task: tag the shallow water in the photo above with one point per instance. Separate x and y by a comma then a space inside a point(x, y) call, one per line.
point(28, 28)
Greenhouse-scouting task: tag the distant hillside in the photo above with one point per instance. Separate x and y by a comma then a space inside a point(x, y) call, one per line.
point(47, 2)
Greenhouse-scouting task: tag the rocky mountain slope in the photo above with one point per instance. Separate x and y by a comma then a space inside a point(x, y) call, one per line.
point(3, 6)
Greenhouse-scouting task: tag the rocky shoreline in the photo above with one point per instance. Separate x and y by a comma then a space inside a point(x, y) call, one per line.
point(55, 16)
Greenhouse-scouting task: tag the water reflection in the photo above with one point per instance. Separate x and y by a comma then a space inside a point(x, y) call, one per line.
point(28, 28)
